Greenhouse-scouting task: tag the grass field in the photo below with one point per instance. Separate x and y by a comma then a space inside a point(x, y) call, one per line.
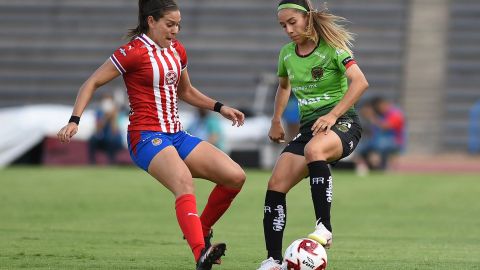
point(120, 218)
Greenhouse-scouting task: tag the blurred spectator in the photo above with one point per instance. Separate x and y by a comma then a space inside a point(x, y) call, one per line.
point(291, 117)
point(474, 129)
point(207, 127)
point(107, 137)
point(384, 134)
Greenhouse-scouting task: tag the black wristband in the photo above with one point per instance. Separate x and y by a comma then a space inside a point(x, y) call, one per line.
point(218, 106)
point(74, 119)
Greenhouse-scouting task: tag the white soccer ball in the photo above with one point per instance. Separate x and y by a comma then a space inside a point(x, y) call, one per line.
point(305, 254)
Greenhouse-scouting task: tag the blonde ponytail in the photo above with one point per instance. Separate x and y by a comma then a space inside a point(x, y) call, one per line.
point(322, 24)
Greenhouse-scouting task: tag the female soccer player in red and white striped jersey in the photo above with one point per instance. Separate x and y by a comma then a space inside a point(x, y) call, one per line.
point(154, 67)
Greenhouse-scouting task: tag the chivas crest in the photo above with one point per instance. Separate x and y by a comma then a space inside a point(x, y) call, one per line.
point(317, 73)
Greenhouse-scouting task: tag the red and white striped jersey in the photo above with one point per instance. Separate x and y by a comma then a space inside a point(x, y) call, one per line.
point(151, 74)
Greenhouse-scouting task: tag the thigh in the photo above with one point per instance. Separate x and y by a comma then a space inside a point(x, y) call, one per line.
point(324, 147)
point(208, 162)
point(171, 171)
point(289, 170)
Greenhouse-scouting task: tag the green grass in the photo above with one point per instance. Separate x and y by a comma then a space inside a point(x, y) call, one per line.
point(120, 218)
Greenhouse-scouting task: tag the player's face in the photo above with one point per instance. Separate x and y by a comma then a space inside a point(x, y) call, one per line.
point(294, 23)
point(165, 29)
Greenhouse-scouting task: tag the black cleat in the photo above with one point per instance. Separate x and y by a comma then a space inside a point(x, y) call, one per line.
point(210, 255)
point(208, 239)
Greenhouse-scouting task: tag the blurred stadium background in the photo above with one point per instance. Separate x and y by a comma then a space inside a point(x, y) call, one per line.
point(422, 54)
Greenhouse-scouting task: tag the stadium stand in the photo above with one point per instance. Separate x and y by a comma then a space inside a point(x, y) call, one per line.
point(463, 65)
point(52, 46)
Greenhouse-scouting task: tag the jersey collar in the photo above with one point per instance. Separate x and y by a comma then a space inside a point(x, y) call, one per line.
point(310, 53)
point(150, 42)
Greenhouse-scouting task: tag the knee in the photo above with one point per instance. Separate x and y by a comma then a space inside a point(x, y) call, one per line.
point(184, 184)
point(314, 154)
point(277, 184)
point(237, 178)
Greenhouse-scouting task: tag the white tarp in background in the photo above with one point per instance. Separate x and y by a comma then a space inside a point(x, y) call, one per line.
point(24, 127)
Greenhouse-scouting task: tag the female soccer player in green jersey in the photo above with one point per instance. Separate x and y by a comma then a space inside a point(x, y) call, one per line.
point(316, 66)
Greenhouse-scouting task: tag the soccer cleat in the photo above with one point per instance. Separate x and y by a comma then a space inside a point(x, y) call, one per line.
point(322, 235)
point(208, 244)
point(208, 239)
point(271, 264)
point(210, 255)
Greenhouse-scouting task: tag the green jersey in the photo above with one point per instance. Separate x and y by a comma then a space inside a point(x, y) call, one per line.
point(318, 80)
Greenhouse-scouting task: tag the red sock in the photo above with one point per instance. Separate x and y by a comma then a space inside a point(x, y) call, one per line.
point(186, 209)
point(218, 202)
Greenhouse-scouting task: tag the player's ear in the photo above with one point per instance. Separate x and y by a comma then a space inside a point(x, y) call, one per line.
point(151, 21)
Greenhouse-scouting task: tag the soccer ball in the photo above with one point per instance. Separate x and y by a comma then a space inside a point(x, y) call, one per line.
point(305, 254)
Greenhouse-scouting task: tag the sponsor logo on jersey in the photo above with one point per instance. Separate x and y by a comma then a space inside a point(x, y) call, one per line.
point(171, 77)
point(320, 55)
point(307, 88)
point(122, 51)
point(317, 73)
point(308, 101)
point(291, 76)
point(157, 141)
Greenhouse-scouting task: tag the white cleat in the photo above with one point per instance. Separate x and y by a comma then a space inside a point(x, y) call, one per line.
point(271, 264)
point(321, 235)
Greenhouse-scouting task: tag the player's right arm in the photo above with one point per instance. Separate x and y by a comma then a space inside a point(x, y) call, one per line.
point(104, 74)
point(277, 133)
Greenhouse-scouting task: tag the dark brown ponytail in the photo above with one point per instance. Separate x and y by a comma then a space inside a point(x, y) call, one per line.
point(154, 8)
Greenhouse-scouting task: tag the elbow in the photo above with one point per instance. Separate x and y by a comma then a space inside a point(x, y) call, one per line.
point(365, 84)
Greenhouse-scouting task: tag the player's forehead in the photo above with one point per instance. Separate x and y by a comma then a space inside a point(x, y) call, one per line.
point(288, 14)
point(172, 16)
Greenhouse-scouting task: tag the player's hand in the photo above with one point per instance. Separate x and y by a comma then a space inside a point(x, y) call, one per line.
point(234, 115)
point(67, 132)
point(277, 133)
point(324, 123)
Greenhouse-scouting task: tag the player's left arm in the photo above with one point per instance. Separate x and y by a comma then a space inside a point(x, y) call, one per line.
point(357, 86)
point(188, 93)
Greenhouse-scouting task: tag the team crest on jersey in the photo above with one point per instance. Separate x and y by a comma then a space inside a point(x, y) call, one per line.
point(156, 141)
point(317, 73)
point(171, 77)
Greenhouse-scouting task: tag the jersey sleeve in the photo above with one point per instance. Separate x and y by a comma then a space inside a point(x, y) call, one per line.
point(182, 53)
point(125, 59)
point(281, 69)
point(344, 60)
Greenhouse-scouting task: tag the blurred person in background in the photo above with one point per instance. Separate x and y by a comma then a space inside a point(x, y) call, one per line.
point(154, 67)
point(291, 117)
point(316, 67)
point(207, 127)
point(387, 125)
point(107, 136)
